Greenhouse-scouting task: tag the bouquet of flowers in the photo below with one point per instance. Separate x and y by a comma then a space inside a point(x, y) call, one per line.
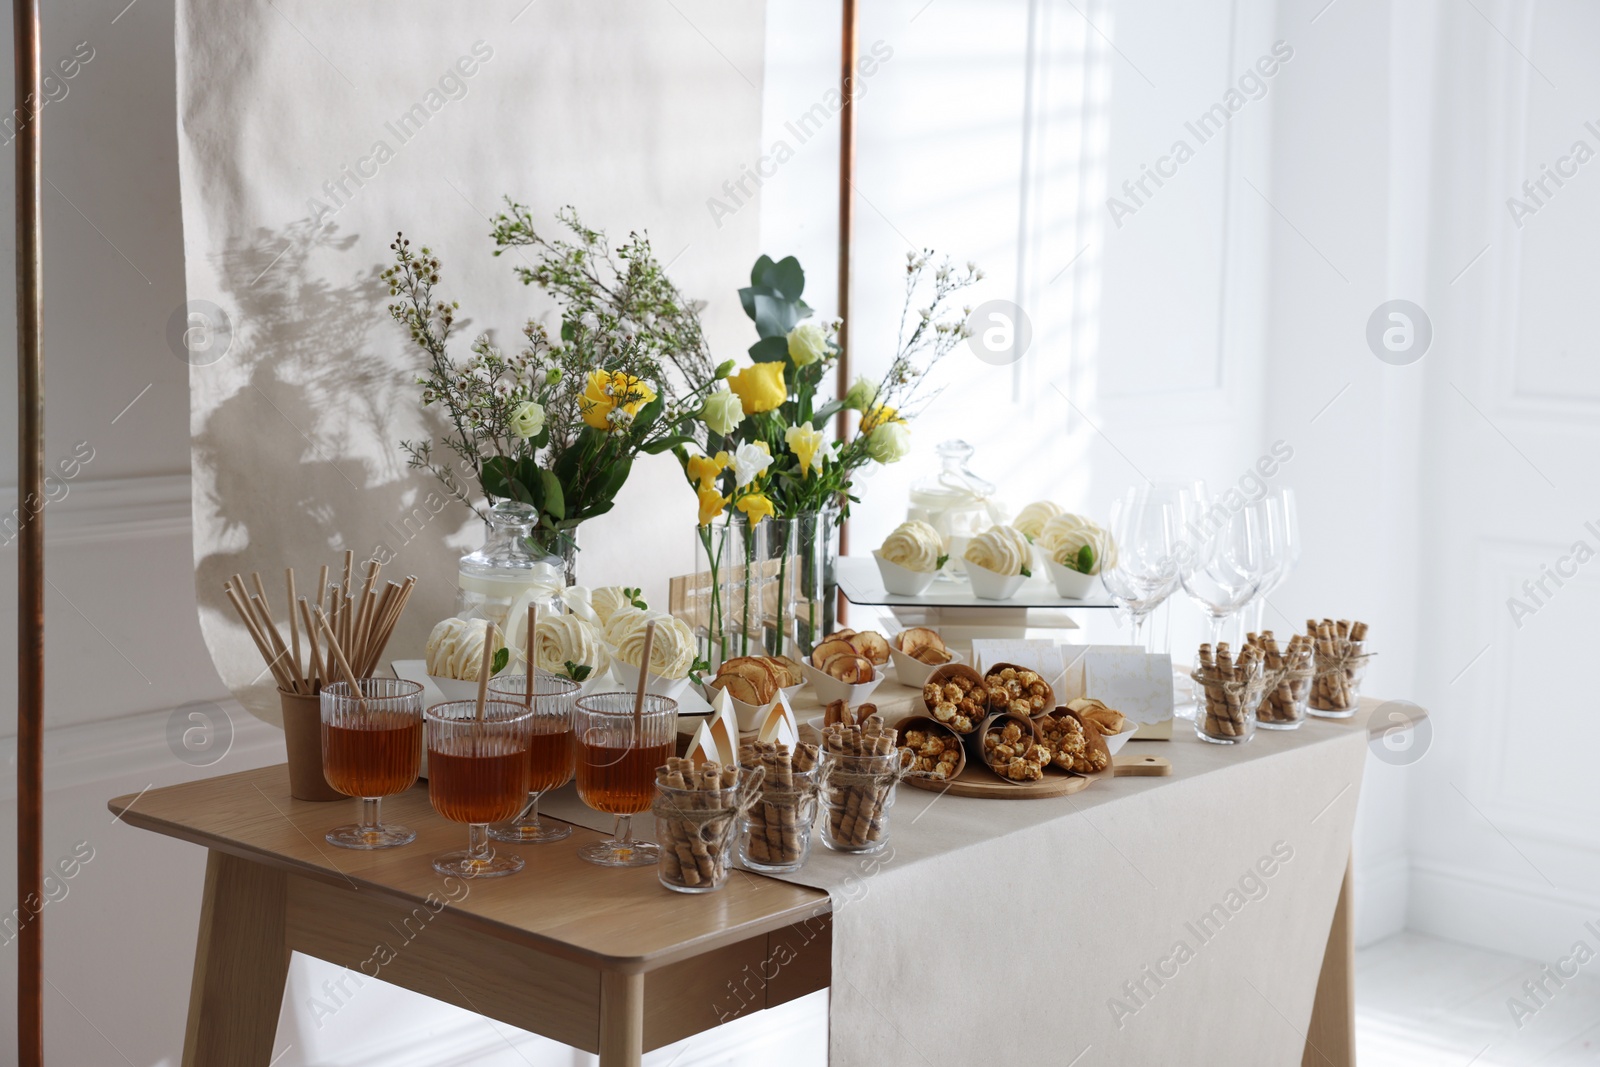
point(558, 423)
point(768, 448)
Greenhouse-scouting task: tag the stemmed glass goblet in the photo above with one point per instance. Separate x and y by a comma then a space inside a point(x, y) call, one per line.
point(371, 748)
point(617, 760)
point(550, 750)
point(478, 774)
point(1227, 565)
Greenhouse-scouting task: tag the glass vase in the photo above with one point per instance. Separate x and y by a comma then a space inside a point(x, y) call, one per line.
point(777, 550)
point(814, 597)
point(717, 554)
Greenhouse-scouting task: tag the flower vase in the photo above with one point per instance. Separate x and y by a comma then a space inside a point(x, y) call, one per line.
point(813, 601)
point(717, 553)
point(777, 539)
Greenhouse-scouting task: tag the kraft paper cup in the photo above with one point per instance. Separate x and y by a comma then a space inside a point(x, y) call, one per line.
point(974, 740)
point(1074, 585)
point(302, 735)
point(991, 585)
point(928, 724)
point(902, 581)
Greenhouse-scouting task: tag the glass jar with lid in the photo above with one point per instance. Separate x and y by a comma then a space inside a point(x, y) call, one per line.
point(955, 502)
point(498, 581)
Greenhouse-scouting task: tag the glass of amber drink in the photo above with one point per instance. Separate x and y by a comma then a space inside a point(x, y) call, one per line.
point(550, 750)
point(371, 748)
point(478, 774)
point(617, 761)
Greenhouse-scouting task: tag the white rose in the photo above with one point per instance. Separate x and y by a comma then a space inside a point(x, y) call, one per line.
point(862, 395)
point(723, 412)
point(749, 462)
point(807, 344)
point(890, 442)
point(527, 420)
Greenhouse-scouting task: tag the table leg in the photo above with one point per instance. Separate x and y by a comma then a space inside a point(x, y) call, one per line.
point(1331, 1037)
point(621, 1019)
point(240, 964)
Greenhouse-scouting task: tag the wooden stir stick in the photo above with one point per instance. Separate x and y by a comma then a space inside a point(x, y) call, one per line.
point(344, 664)
point(644, 680)
point(489, 636)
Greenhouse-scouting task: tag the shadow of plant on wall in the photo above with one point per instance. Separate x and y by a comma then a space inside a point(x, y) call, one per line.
point(294, 443)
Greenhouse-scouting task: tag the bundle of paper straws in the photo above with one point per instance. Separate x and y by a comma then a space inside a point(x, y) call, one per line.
point(344, 629)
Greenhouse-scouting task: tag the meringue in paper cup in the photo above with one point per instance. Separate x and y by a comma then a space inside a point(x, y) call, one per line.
point(828, 688)
point(912, 672)
point(1074, 585)
point(990, 585)
point(627, 676)
point(902, 581)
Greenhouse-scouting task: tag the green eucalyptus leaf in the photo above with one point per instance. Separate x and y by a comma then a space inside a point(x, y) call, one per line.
point(555, 502)
point(775, 316)
point(770, 350)
point(784, 276)
point(762, 265)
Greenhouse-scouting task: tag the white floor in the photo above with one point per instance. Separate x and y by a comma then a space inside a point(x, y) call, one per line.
point(1423, 1002)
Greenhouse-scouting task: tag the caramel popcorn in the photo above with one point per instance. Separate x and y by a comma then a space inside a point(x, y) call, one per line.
point(1019, 691)
point(1012, 752)
point(959, 703)
point(936, 754)
point(1069, 748)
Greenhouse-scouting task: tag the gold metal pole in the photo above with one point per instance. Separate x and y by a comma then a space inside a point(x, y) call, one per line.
point(30, 555)
point(848, 47)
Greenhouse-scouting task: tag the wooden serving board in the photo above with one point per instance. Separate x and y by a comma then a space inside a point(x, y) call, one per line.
point(979, 781)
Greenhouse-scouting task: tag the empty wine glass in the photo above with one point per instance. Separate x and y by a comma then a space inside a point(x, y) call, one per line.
point(1282, 536)
point(1146, 530)
point(1225, 569)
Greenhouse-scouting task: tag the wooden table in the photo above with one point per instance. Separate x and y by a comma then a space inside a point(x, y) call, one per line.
point(604, 960)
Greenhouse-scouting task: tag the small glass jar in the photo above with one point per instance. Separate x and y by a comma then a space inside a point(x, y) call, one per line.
point(500, 579)
point(776, 837)
point(857, 793)
point(1227, 711)
point(1336, 690)
point(1283, 707)
point(695, 829)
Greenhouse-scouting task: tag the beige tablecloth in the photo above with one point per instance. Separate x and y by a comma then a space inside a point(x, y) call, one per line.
point(1141, 921)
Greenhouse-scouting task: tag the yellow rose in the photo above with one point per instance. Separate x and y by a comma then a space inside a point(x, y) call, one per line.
point(879, 415)
point(805, 441)
point(756, 507)
point(703, 471)
point(711, 504)
point(601, 396)
point(760, 387)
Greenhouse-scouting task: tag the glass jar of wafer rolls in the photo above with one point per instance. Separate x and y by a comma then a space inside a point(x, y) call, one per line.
point(777, 828)
point(1341, 662)
point(1289, 673)
point(859, 770)
point(699, 810)
point(1231, 692)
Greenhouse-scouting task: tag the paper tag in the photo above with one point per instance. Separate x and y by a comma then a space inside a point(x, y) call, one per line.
point(724, 724)
point(1135, 683)
point(1041, 656)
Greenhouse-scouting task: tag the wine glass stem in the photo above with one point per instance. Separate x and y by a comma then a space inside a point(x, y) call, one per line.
point(371, 815)
point(623, 832)
point(1217, 624)
point(1138, 629)
point(478, 849)
point(530, 814)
